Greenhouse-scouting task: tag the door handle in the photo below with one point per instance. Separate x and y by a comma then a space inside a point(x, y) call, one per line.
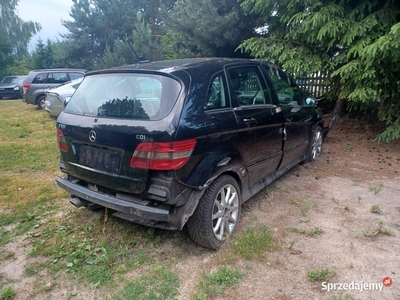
point(276, 109)
point(250, 121)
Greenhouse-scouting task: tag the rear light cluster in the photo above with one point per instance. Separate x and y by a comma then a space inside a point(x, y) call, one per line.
point(61, 142)
point(26, 87)
point(162, 156)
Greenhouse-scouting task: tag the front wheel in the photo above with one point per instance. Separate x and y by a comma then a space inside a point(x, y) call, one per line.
point(315, 149)
point(217, 214)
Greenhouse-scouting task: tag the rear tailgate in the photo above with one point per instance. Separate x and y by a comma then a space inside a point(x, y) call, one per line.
point(101, 154)
point(108, 116)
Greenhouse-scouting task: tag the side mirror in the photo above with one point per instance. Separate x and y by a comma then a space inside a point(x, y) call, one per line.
point(310, 102)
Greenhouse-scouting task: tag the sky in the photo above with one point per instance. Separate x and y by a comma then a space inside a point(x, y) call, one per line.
point(49, 14)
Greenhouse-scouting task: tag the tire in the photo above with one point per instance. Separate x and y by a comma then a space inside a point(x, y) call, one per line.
point(215, 219)
point(40, 102)
point(315, 149)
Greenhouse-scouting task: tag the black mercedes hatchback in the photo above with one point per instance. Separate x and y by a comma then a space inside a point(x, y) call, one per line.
point(188, 141)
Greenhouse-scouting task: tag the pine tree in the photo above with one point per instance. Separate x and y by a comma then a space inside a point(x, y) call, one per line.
point(357, 41)
point(207, 27)
point(99, 26)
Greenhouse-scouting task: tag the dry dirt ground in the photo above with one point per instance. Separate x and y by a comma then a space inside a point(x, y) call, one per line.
point(335, 194)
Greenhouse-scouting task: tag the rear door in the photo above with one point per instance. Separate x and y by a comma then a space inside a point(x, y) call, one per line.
point(259, 121)
point(297, 120)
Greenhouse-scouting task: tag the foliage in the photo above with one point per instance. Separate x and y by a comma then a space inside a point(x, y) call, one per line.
point(207, 28)
point(138, 44)
point(159, 284)
point(313, 232)
point(19, 67)
point(216, 283)
point(100, 29)
point(14, 34)
point(357, 42)
point(7, 293)
point(379, 230)
point(320, 275)
point(255, 242)
point(376, 209)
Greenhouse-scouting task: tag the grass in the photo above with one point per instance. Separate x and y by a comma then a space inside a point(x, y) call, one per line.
point(346, 147)
point(28, 160)
point(304, 205)
point(255, 242)
point(320, 275)
point(7, 293)
point(376, 209)
point(357, 181)
point(343, 295)
point(157, 284)
point(377, 231)
point(376, 188)
point(94, 249)
point(216, 283)
point(313, 232)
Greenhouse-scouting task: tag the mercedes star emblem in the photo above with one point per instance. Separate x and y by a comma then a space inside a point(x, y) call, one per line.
point(92, 136)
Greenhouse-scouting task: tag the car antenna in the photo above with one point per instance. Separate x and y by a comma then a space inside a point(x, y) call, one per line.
point(140, 59)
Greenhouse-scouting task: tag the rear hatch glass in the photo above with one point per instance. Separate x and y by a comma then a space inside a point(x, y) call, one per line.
point(133, 96)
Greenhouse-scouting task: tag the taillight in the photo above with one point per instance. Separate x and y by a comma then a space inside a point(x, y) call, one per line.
point(162, 156)
point(26, 87)
point(61, 142)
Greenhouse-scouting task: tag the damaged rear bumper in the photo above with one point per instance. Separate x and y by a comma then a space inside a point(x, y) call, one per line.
point(126, 207)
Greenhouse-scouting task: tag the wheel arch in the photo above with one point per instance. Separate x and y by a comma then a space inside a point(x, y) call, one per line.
point(38, 96)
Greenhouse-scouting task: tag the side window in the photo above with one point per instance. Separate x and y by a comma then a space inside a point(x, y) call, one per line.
point(217, 93)
point(40, 78)
point(249, 86)
point(60, 77)
point(74, 75)
point(57, 77)
point(288, 93)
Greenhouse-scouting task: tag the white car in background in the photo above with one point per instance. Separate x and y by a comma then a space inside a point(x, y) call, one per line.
point(57, 97)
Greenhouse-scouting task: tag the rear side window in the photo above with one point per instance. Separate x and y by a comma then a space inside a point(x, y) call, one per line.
point(217, 93)
point(125, 96)
point(10, 80)
point(40, 78)
point(57, 77)
point(249, 86)
point(74, 75)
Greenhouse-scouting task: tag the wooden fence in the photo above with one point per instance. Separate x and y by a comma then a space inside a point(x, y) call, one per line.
point(316, 84)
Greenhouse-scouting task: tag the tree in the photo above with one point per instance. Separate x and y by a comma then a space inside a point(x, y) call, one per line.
point(132, 48)
point(44, 57)
point(38, 60)
point(14, 34)
point(99, 23)
point(357, 41)
point(207, 27)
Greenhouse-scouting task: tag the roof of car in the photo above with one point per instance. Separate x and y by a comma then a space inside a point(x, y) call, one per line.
point(169, 66)
point(58, 69)
point(17, 76)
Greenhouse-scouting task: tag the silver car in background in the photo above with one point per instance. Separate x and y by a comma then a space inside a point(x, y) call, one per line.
point(57, 97)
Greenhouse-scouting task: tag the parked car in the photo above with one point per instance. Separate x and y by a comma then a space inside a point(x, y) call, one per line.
point(56, 98)
point(188, 141)
point(40, 80)
point(11, 86)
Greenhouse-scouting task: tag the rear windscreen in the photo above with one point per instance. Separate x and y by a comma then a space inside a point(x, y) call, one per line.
point(125, 96)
